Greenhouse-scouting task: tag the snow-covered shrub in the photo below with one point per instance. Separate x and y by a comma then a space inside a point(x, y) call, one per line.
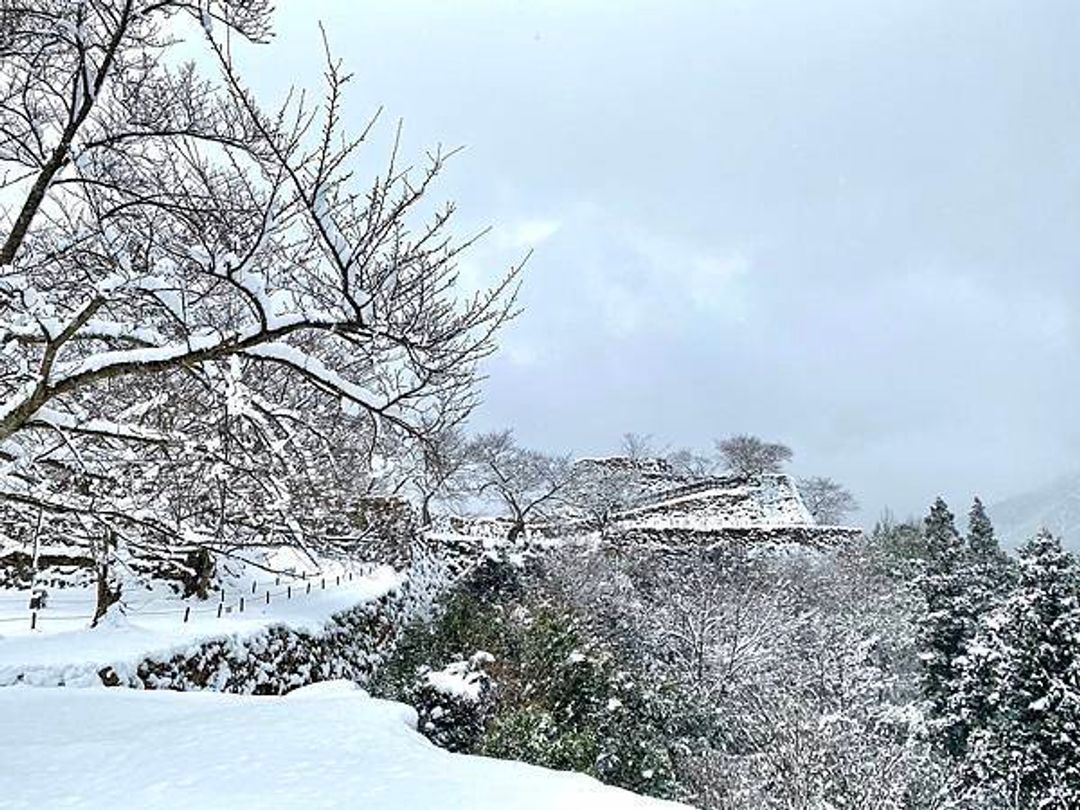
point(542, 691)
point(275, 660)
point(569, 704)
point(453, 704)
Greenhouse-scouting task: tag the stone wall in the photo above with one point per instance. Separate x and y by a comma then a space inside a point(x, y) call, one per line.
point(646, 539)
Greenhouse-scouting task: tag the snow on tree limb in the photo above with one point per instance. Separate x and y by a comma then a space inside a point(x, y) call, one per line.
point(191, 286)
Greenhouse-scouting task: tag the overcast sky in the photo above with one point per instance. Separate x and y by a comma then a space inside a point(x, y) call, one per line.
point(850, 226)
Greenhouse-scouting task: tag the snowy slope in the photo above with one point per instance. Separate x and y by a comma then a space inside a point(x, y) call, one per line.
point(1055, 506)
point(325, 746)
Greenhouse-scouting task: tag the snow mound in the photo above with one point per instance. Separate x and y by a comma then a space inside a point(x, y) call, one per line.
point(326, 746)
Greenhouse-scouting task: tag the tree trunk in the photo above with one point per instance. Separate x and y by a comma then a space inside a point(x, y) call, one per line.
point(37, 599)
point(200, 563)
point(425, 511)
point(108, 590)
point(516, 530)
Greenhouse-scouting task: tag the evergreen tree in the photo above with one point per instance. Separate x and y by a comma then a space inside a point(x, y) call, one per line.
point(981, 540)
point(990, 570)
point(1023, 672)
point(939, 528)
point(947, 624)
point(991, 564)
point(982, 579)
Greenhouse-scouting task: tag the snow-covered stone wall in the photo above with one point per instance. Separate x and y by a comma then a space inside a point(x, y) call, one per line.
point(762, 510)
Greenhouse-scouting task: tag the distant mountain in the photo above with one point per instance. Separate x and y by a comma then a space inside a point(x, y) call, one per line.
point(1055, 506)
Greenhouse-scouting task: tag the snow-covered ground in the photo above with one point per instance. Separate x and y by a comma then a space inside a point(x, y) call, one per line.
point(324, 746)
point(153, 621)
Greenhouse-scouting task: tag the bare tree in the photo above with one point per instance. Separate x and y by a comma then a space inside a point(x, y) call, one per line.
point(526, 482)
point(166, 237)
point(827, 500)
point(601, 490)
point(749, 455)
point(440, 470)
point(691, 464)
point(637, 445)
point(711, 626)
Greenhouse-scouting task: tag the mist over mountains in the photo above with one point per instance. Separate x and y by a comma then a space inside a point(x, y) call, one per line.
point(1055, 506)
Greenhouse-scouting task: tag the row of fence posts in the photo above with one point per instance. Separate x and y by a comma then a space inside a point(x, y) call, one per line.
point(241, 602)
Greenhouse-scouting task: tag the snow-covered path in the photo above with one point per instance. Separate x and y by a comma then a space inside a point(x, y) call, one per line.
point(324, 746)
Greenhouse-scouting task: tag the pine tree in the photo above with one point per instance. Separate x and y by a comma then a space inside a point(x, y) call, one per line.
point(947, 625)
point(1023, 670)
point(981, 540)
point(991, 571)
point(983, 579)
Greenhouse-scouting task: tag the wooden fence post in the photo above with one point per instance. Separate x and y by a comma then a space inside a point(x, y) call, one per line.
point(33, 620)
point(241, 604)
point(219, 607)
point(187, 614)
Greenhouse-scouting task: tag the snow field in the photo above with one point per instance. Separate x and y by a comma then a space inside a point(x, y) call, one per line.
point(321, 747)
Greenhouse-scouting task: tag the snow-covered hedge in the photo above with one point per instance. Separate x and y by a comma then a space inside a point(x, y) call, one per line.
point(275, 660)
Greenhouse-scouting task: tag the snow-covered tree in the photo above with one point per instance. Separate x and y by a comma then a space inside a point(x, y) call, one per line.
point(989, 570)
point(980, 537)
point(189, 282)
point(962, 581)
point(690, 464)
point(637, 445)
point(525, 482)
point(827, 500)
point(1021, 684)
point(599, 491)
point(946, 626)
point(440, 470)
point(990, 566)
point(750, 455)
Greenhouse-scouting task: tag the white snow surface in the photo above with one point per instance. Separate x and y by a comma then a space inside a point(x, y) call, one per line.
point(320, 747)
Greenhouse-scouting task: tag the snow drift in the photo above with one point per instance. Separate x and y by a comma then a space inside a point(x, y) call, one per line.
point(324, 746)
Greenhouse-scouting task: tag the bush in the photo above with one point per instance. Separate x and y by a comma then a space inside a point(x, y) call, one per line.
point(508, 671)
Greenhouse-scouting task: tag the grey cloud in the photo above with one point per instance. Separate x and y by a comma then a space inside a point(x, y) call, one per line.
point(852, 226)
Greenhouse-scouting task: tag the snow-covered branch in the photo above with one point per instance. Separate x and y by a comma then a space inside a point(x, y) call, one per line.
point(204, 313)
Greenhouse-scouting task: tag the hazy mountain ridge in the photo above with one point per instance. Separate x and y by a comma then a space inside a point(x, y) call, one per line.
point(1055, 506)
